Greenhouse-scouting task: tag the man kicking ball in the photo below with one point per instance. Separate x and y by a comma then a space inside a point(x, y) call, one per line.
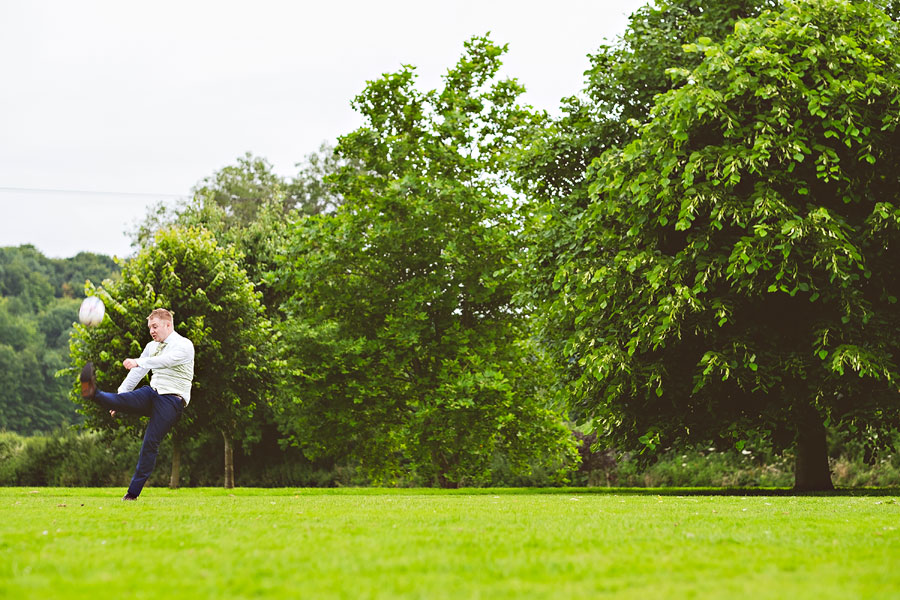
point(171, 358)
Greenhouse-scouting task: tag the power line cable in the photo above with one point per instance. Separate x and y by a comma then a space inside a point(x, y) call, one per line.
point(88, 192)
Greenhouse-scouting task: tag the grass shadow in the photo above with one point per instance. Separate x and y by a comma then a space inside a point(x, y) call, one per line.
point(711, 491)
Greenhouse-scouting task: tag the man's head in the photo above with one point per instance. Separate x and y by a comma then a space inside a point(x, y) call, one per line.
point(161, 324)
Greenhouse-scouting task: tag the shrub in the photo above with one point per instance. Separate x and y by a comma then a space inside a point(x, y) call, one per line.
point(66, 458)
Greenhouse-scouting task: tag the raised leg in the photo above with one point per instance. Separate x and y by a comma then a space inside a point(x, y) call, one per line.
point(138, 402)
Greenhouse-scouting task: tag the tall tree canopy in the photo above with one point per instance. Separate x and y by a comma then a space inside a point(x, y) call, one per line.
point(620, 88)
point(248, 206)
point(732, 273)
point(406, 350)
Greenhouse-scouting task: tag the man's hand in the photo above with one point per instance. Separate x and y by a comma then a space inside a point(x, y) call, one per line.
point(112, 413)
point(129, 363)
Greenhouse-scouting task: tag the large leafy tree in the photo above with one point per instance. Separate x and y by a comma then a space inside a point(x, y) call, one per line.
point(620, 87)
point(733, 273)
point(215, 306)
point(405, 350)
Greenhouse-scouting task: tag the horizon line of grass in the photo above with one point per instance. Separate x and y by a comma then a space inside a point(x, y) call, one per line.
point(480, 491)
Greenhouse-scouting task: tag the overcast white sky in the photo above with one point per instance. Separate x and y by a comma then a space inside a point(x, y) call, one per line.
point(107, 107)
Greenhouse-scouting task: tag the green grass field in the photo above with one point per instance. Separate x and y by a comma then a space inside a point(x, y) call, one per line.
point(282, 543)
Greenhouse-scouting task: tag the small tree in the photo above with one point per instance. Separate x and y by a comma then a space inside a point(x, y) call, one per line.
point(215, 306)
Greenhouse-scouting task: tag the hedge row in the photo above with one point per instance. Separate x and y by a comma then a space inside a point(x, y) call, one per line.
point(71, 457)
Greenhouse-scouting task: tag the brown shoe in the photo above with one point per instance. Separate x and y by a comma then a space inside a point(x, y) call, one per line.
point(88, 381)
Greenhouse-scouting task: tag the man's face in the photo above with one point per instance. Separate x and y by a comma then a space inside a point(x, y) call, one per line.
point(159, 329)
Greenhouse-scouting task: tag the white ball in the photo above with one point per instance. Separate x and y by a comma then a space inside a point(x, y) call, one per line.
point(91, 311)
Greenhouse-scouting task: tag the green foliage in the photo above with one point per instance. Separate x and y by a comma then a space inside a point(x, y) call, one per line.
point(33, 400)
point(249, 207)
point(31, 280)
point(256, 242)
point(708, 468)
point(620, 88)
point(854, 463)
point(230, 199)
point(26, 275)
point(310, 191)
point(733, 272)
point(401, 344)
point(215, 306)
point(34, 280)
point(241, 190)
point(39, 300)
point(91, 458)
point(67, 458)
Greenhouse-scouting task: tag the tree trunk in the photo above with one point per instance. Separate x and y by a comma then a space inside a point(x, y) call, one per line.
point(229, 461)
point(447, 484)
point(811, 473)
point(175, 478)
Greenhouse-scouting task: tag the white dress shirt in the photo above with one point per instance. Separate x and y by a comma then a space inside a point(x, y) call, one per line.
point(172, 363)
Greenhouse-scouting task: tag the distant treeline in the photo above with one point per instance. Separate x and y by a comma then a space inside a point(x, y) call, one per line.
point(39, 299)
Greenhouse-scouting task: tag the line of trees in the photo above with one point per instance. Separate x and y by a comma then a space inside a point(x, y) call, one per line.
point(39, 299)
point(698, 250)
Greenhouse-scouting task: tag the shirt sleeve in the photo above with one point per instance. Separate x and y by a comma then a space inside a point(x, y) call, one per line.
point(136, 374)
point(176, 355)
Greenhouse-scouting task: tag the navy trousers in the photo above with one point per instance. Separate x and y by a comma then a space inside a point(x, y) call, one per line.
point(164, 411)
